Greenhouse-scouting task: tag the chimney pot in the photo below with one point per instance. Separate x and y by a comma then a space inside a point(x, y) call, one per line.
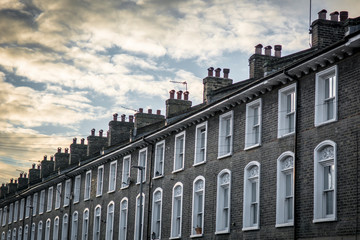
point(158, 112)
point(334, 16)
point(258, 49)
point(82, 141)
point(141, 110)
point(74, 140)
point(45, 157)
point(172, 94)
point(226, 72)
point(277, 50)
point(268, 50)
point(66, 150)
point(186, 95)
point(93, 132)
point(11, 180)
point(101, 133)
point(51, 158)
point(131, 118)
point(322, 14)
point(21, 175)
point(25, 175)
point(33, 166)
point(149, 111)
point(179, 94)
point(115, 116)
point(217, 72)
point(343, 16)
point(38, 166)
point(210, 71)
point(123, 116)
point(59, 149)
point(15, 181)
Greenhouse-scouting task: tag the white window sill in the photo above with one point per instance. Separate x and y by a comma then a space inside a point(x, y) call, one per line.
point(175, 237)
point(252, 146)
point(124, 187)
point(326, 122)
point(279, 225)
point(199, 163)
point(111, 191)
point(138, 183)
point(286, 135)
point(75, 202)
point(56, 208)
point(66, 205)
point(98, 195)
point(250, 228)
point(222, 232)
point(46, 211)
point(319, 220)
point(159, 176)
point(196, 235)
point(224, 156)
point(87, 199)
point(178, 170)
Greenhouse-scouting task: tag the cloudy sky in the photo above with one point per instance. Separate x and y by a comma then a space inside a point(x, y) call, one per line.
point(66, 66)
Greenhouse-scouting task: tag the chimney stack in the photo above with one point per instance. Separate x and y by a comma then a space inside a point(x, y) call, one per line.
point(322, 14)
point(47, 167)
point(343, 16)
point(149, 111)
point(158, 112)
point(334, 16)
point(212, 84)
point(277, 50)
point(34, 175)
point(22, 182)
point(77, 152)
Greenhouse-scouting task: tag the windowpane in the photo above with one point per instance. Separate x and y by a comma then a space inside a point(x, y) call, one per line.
point(329, 202)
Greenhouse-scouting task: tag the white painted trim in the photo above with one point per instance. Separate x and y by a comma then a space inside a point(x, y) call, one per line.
point(172, 211)
point(156, 159)
point(196, 152)
point(198, 178)
point(100, 188)
point(282, 93)
point(229, 114)
point(248, 132)
point(112, 164)
point(153, 211)
point(139, 164)
point(183, 133)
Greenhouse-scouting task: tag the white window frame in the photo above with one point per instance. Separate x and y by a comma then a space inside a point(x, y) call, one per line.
point(1, 214)
point(159, 160)
point(47, 229)
point(285, 168)
point(56, 228)
point(110, 217)
point(87, 186)
point(34, 204)
point(58, 195)
point(14, 234)
point(65, 227)
point(22, 209)
point(320, 214)
point(225, 139)
point(50, 199)
point(137, 209)
point(75, 225)
point(39, 231)
point(11, 210)
point(77, 189)
point(16, 211)
point(100, 181)
point(125, 178)
point(97, 232)
point(27, 207)
point(173, 234)
point(156, 218)
point(284, 115)
point(26, 231)
point(67, 194)
point(195, 207)
point(142, 152)
point(123, 218)
point(250, 177)
point(85, 225)
point(320, 98)
point(199, 149)
point(9, 234)
point(112, 179)
point(250, 132)
point(4, 216)
point(20, 233)
point(179, 154)
point(221, 204)
point(42, 202)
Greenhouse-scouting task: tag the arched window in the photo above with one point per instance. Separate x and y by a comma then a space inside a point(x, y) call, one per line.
point(47, 229)
point(26, 232)
point(285, 190)
point(156, 214)
point(9, 235)
point(65, 227)
point(198, 206)
point(97, 223)
point(20, 233)
point(176, 214)
point(110, 221)
point(85, 225)
point(223, 201)
point(39, 232)
point(123, 218)
point(251, 196)
point(14, 234)
point(3, 236)
point(56, 228)
point(137, 216)
point(74, 225)
point(325, 182)
point(33, 231)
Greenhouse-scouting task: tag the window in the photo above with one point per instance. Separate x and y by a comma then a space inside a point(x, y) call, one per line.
point(100, 181)
point(22, 206)
point(58, 196)
point(285, 190)
point(65, 226)
point(225, 134)
point(112, 176)
point(286, 111)
point(326, 96)
point(42, 202)
point(137, 216)
point(3, 236)
point(85, 226)
point(50, 199)
point(251, 196)
point(200, 143)
point(26, 232)
point(9, 235)
point(35, 203)
point(253, 124)
point(325, 182)
point(16, 211)
point(110, 221)
point(223, 201)
point(28, 206)
point(33, 231)
point(176, 214)
point(159, 159)
point(87, 185)
point(20, 233)
point(39, 232)
point(77, 187)
point(142, 162)
point(1, 215)
point(198, 206)
point(11, 209)
point(4, 217)
point(74, 225)
point(156, 214)
point(97, 223)
point(123, 219)
point(125, 181)
point(14, 234)
point(67, 192)
point(56, 228)
point(47, 229)
point(179, 152)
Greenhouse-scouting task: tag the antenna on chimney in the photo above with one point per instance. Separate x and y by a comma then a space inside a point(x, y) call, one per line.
point(185, 83)
point(128, 108)
point(310, 29)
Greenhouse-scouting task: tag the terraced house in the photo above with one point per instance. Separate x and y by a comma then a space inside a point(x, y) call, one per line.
point(275, 156)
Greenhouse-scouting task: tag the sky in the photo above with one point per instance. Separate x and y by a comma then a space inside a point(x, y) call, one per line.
point(67, 66)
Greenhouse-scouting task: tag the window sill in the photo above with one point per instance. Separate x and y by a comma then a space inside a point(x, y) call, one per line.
point(250, 228)
point(98, 195)
point(196, 235)
point(66, 205)
point(326, 122)
point(178, 170)
point(111, 191)
point(252, 146)
point(157, 177)
point(75, 202)
point(87, 199)
point(280, 225)
point(198, 164)
point(179, 237)
point(319, 220)
point(46, 211)
point(138, 183)
point(286, 135)
point(224, 156)
point(222, 232)
point(124, 187)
